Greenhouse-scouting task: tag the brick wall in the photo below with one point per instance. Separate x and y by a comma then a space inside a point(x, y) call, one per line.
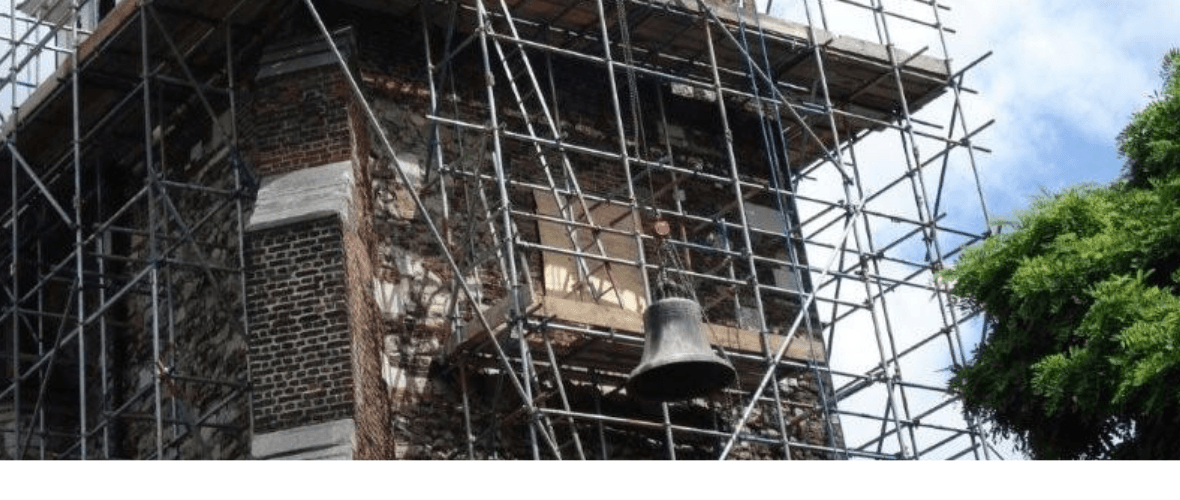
point(298, 120)
point(424, 406)
point(300, 355)
point(427, 409)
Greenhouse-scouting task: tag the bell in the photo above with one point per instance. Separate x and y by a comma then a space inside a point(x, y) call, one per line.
point(677, 361)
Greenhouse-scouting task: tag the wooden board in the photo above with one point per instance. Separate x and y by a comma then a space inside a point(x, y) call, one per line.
point(497, 315)
point(620, 356)
point(726, 337)
point(608, 284)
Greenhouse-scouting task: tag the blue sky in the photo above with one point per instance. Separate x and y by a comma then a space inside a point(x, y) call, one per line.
point(1063, 79)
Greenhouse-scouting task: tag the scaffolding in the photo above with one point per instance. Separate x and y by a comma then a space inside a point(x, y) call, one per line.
point(784, 225)
point(814, 105)
point(112, 220)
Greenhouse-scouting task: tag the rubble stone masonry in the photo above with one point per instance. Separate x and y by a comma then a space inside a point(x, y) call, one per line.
point(321, 291)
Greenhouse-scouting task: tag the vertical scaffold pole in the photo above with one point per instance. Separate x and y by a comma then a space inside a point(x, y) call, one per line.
point(236, 164)
point(15, 273)
point(513, 281)
point(153, 256)
point(632, 202)
point(748, 248)
point(79, 247)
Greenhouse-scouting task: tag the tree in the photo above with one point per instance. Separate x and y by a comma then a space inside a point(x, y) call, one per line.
point(1082, 297)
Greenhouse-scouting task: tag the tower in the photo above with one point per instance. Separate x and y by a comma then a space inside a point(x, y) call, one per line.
point(430, 229)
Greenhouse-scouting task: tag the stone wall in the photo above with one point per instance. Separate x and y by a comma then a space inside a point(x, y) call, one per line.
point(202, 364)
point(373, 438)
point(384, 290)
point(413, 282)
point(349, 307)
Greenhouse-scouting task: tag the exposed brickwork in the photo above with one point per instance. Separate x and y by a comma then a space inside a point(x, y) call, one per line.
point(300, 346)
point(316, 336)
point(426, 408)
point(299, 120)
point(374, 438)
point(387, 240)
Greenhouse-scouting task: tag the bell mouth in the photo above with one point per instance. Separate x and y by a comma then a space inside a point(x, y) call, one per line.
point(678, 380)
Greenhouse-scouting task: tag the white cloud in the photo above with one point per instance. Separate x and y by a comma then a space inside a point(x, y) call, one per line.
point(1064, 77)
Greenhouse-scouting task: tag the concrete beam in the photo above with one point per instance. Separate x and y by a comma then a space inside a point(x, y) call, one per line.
point(326, 441)
point(303, 195)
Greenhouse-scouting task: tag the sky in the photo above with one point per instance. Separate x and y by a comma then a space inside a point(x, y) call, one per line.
point(1066, 77)
point(1062, 80)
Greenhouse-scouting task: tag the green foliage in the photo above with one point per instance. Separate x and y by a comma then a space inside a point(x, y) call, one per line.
point(1083, 300)
point(1151, 143)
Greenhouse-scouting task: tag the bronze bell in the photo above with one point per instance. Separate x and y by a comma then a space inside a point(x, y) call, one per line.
point(677, 361)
